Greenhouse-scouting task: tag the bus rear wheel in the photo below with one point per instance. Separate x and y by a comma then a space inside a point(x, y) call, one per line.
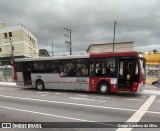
point(40, 85)
point(103, 88)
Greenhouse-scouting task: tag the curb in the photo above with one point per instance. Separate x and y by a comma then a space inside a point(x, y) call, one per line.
point(8, 83)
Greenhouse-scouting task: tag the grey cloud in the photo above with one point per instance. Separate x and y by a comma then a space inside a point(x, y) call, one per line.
point(91, 21)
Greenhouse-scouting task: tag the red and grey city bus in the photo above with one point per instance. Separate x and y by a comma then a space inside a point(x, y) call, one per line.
point(103, 73)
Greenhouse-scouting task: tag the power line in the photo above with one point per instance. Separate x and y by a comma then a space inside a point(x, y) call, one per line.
point(140, 18)
point(149, 17)
point(140, 26)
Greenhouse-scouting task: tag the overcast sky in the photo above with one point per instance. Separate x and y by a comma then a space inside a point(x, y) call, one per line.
point(91, 21)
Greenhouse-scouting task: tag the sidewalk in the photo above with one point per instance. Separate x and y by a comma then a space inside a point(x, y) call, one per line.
point(151, 89)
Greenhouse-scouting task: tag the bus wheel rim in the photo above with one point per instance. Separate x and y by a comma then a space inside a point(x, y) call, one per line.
point(103, 88)
point(40, 86)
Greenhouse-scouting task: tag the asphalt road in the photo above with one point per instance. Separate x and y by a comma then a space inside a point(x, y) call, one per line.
point(29, 105)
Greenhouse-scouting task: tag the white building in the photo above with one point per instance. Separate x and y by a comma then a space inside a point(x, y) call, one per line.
point(23, 41)
point(108, 47)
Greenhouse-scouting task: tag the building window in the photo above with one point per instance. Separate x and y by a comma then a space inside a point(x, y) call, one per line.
point(10, 34)
point(0, 49)
point(5, 35)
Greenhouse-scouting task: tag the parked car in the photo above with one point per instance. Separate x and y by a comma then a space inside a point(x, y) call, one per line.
point(155, 83)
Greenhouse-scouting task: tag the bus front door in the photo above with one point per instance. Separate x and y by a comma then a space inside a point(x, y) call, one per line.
point(126, 73)
point(27, 73)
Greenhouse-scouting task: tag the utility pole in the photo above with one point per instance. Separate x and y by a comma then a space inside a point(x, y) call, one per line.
point(114, 34)
point(69, 43)
point(11, 49)
point(9, 36)
point(52, 50)
point(13, 64)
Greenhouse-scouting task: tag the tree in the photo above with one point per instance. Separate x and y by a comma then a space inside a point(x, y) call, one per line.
point(43, 53)
point(154, 51)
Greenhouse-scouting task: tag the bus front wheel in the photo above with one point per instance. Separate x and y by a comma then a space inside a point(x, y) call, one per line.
point(40, 85)
point(103, 88)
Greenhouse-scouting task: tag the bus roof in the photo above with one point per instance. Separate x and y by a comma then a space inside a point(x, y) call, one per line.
point(116, 54)
point(52, 58)
point(98, 55)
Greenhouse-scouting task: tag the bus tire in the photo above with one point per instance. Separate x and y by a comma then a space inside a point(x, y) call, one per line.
point(40, 85)
point(103, 88)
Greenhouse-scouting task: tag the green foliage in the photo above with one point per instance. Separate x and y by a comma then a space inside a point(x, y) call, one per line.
point(43, 53)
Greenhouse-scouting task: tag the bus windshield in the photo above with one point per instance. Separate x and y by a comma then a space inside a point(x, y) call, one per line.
point(143, 66)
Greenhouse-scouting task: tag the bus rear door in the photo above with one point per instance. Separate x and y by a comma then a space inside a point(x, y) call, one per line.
point(27, 73)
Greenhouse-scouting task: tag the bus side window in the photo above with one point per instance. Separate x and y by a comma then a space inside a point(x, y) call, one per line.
point(108, 71)
point(72, 71)
point(69, 68)
point(99, 73)
point(38, 67)
point(98, 67)
point(82, 67)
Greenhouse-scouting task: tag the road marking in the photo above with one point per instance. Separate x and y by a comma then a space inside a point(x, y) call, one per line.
point(11, 89)
point(77, 98)
point(44, 95)
point(5, 89)
point(153, 112)
point(53, 115)
point(58, 93)
point(133, 99)
point(83, 95)
point(28, 91)
point(42, 92)
point(2, 89)
point(46, 114)
point(139, 113)
point(68, 103)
